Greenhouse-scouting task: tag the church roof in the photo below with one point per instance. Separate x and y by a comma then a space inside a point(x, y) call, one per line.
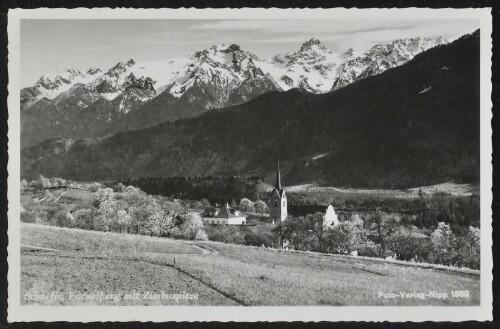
point(278, 176)
point(277, 186)
point(280, 192)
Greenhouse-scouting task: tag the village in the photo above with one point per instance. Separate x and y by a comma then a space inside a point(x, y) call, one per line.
point(277, 209)
point(364, 227)
point(217, 247)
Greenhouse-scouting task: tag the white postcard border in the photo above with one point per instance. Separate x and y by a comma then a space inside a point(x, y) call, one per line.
point(18, 312)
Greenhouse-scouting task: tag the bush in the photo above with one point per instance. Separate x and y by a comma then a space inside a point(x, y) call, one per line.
point(227, 234)
point(405, 247)
point(64, 219)
point(119, 187)
point(201, 235)
point(85, 219)
point(468, 249)
point(455, 250)
point(28, 217)
point(252, 239)
point(369, 249)
point(424, 251)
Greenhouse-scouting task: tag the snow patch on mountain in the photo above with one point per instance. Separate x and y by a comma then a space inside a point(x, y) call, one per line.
point(312, 68)
point(426, 89)
point(53, 84)
point(381, 58)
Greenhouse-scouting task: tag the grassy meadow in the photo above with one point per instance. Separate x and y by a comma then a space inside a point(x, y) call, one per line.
point(221, 274)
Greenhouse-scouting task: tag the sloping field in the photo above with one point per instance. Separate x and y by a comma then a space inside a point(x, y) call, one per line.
point(85, 262)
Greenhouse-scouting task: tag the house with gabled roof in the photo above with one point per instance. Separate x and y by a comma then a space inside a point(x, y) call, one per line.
point(224, 216)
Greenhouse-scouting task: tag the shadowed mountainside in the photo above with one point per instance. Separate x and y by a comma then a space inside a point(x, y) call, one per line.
point(417, 124)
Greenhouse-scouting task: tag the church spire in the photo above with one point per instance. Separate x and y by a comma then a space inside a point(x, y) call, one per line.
point(278, 176)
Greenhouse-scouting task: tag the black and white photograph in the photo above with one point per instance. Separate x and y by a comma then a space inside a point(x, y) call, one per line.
point(250, 162)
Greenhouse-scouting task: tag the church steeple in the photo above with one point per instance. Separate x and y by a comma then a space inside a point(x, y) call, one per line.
point(278, 176)
point(277, 202)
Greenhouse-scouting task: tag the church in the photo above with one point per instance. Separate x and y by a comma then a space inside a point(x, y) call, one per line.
point(277, 203)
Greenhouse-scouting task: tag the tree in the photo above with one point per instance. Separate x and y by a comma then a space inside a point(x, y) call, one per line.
point(201, 235)
point(470, 248)
point(336, 240)
point(452, 249)
point(261, 207)
point(64, 218)
point(94, 187)
point(294, 230)
point(161, 223)
point(443, 241)
point(383, 226)
point(278, 233)
point(124, 220)
point(404, 246)
point(107, 205)
point(346, 237)
point(357, 235)
point(85, 218)
point(192, 222)
point(140, 208)
point(247, 205)
point(314, 222)
point(42, 182)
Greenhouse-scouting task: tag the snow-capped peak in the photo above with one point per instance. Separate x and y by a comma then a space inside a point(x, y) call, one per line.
point(93, 71)
point(381, 57)
point(309, 44)
point(348, 53)
point(51, 85)
point(221, 66)
point(312, 67)
point(224, 67)
point(122, 76)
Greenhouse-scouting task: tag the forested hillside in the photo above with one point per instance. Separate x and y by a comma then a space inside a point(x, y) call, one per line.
point(413, 125)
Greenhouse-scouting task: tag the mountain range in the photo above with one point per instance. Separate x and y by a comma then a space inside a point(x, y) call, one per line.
point(411, 125)
point(131, 95)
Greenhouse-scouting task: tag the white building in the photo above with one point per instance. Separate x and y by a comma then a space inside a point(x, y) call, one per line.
point(330, 219)
point(224, 216)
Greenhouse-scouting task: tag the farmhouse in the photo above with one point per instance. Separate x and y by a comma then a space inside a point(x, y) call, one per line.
point(224, 215)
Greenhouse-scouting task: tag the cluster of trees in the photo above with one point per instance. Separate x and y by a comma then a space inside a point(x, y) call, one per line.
point(261, 235)
point(215, 189)
point(382, 235)
point(248, 206)
point(130, 211)
point(54, 182)
point(134, 211)
point(436, 229)
point(457, 211)
point(425, 211)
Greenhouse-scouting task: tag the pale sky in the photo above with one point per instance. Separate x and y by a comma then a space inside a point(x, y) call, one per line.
point(55, 45)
